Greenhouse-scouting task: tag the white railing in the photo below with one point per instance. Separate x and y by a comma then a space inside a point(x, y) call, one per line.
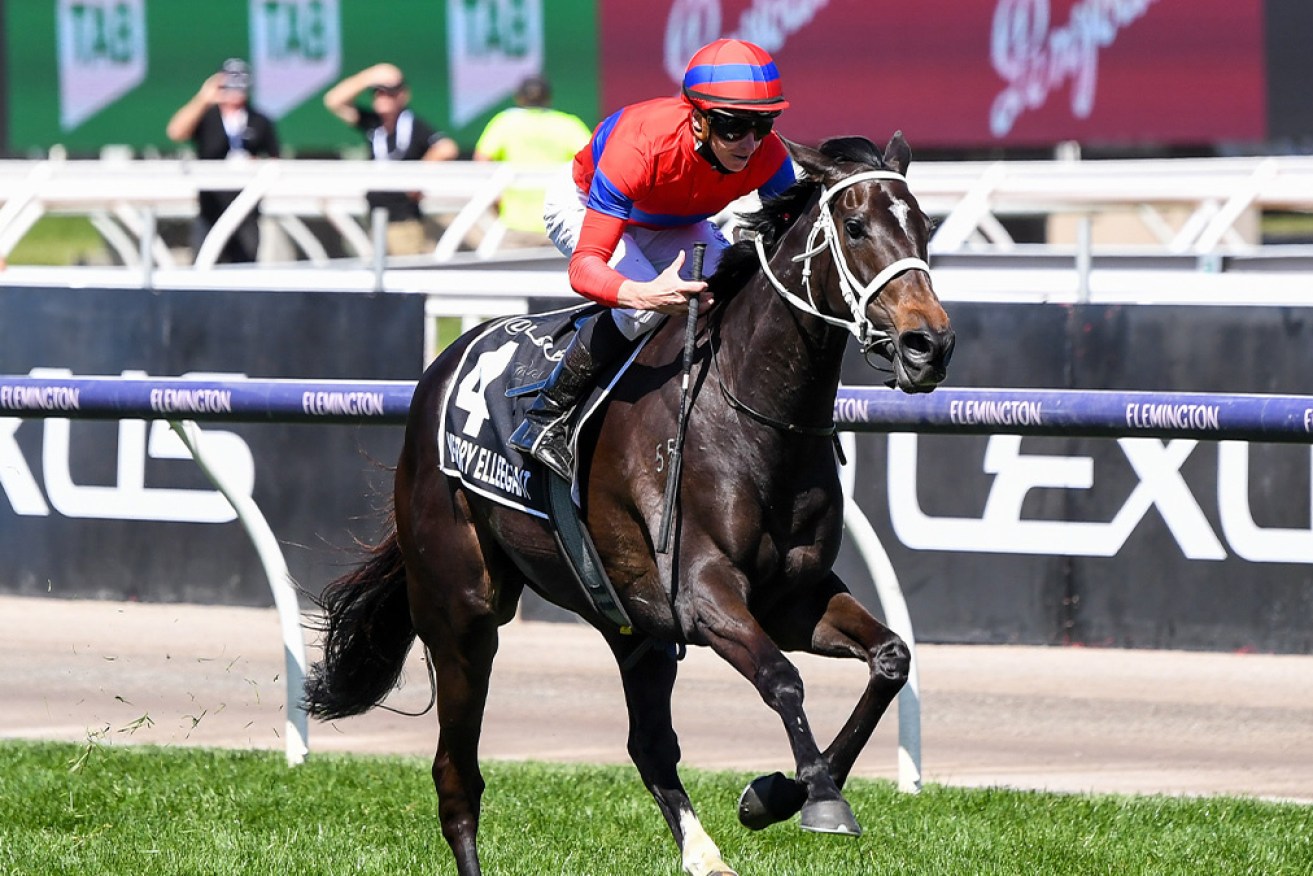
point(1179, 206)
point(124, 198)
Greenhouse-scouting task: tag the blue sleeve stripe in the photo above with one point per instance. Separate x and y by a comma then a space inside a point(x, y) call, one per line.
point(602, 134)
point(604, 197)
point(667, 220)
point(780, 181)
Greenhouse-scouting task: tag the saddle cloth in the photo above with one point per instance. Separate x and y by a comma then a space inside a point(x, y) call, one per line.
point(478, 418)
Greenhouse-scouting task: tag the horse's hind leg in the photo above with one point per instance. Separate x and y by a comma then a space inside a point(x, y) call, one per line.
point(647, 671)
point(457, 603)
point(832, 624)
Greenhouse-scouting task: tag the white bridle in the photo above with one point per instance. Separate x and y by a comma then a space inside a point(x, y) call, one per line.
point(854, 293)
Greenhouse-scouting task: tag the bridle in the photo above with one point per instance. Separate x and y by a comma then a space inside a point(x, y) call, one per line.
point(855, 294)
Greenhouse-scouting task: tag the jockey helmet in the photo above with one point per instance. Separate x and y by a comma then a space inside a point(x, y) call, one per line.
point(733, 74)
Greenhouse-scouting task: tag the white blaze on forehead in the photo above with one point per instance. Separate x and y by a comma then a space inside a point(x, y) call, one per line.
point(901, 210)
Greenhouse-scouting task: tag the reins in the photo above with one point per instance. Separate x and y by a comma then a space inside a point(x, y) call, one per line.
point(765, 419)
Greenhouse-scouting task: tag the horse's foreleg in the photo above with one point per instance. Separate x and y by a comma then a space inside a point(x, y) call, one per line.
point(847, 629)
point(833, 624)
point(732, 632)
point(648, 676)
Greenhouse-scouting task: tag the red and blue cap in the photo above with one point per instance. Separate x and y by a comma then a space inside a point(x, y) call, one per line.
point(734, 75)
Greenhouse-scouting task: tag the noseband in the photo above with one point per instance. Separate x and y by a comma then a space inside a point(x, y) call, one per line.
point(855, 294)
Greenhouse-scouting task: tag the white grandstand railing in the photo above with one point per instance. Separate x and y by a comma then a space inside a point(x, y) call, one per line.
point(119, 195)
point(1185, 206)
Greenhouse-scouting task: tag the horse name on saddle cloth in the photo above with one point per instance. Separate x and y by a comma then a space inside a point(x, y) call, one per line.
point(478, 418)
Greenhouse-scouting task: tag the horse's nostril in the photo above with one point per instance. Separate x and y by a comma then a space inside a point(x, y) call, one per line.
point(916, 345)
point(926, 347)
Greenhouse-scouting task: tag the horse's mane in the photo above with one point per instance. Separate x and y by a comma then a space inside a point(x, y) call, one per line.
point(777, 215)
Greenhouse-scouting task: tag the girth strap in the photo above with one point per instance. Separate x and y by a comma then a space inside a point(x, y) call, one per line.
point(577, 547)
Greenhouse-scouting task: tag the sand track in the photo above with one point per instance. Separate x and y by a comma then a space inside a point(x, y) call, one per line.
point(1072, 719)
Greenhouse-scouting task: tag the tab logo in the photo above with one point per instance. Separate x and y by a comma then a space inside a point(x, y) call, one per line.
point(491, 46)
point(102, 55)
point(296, 49)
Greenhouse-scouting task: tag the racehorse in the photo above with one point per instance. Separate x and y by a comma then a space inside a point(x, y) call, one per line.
point(759, 521)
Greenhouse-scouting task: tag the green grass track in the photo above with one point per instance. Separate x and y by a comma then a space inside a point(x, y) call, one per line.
point(105, 809)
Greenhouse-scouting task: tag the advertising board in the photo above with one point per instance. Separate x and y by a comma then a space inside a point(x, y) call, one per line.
point(1128, 542)
point(118, 510)
point(90, 73)
point(980, 74)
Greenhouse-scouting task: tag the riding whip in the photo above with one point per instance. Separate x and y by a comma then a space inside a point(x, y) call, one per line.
point(677, 455)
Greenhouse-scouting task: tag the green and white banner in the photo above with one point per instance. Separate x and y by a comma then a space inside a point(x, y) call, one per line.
point(296, 51)
point(86, 74)
point(102, 55)
point(491, 46)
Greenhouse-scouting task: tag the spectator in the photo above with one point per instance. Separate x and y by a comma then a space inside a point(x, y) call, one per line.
point(529, 133)
point(221, 124)
point(394, 133)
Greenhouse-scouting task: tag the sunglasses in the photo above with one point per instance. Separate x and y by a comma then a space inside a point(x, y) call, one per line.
point(734, 127)
point(389, 90)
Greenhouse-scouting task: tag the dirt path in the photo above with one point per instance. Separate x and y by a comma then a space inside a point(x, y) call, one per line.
point(1062, 719)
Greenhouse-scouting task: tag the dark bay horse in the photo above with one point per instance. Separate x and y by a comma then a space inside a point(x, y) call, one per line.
point(760, 511)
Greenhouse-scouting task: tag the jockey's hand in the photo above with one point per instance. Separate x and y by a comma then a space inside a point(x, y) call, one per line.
point(668, 293)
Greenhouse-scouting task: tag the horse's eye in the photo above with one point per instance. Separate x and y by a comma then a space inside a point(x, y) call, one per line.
point(855, 228)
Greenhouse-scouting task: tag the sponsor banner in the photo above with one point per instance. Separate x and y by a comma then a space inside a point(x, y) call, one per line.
point(491, 46)
point(47, 392)
point(988, 73)
point(296, 51)
point(102, 54)
point(1266, 417)
point(117, 509)
point(89, 73)
point(1137, 541)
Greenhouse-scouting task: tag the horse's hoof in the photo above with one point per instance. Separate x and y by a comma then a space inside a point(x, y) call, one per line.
point(830, 816)
point(769, 800)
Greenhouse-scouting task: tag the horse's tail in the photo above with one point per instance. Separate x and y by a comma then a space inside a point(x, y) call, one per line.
point(367, 633)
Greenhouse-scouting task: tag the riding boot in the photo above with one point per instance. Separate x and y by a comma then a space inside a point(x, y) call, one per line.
point(545, 431)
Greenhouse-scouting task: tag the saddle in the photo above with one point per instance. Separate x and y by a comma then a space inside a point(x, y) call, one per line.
point(494, 384)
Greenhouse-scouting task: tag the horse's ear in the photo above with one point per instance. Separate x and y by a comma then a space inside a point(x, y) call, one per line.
point(898, 154)
point(813, 163)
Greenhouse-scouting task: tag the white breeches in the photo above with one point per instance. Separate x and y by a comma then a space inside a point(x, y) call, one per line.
point(642, 254)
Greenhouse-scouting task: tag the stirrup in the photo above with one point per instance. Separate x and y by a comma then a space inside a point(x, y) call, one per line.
point(541, 441)
point(553, 451)
point(561, 465)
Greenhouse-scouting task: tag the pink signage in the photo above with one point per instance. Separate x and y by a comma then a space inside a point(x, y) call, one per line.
point(970, 73)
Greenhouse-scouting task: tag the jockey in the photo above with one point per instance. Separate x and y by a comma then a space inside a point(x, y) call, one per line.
point(640, 195)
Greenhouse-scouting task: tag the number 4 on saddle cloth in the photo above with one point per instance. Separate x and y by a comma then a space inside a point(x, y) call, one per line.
point(485, 404)
point(488, 398)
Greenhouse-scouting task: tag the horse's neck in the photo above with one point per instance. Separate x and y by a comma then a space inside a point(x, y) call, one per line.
point(778, 359)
